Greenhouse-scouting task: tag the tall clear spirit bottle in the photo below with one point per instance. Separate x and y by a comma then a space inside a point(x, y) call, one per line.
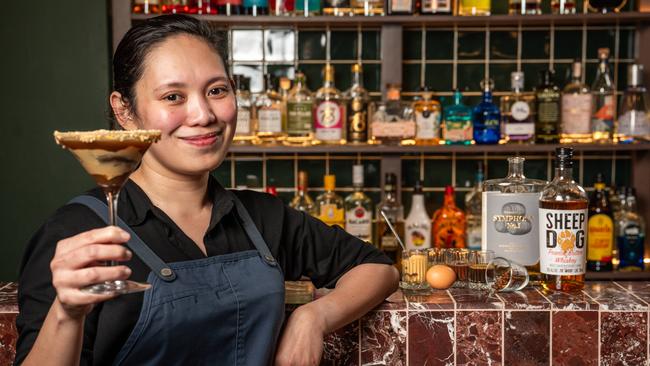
point(245, 132)
point(357, 102)
point(299, 113)
point(329, 111)
point(457, 126)
point(473, 208)
point(302, 201)
point(518, 112)
point(268, 114)
point(358, 208)
point(385, 240)
point(576, 109)
point(604, 105)
point(634, 120)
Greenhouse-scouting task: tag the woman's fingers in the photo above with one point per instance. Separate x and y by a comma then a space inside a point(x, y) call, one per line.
point(74, 280)
point(88, 255)
point(108, 234)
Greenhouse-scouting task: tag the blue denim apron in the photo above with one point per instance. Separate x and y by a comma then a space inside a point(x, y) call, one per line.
point(221, 310)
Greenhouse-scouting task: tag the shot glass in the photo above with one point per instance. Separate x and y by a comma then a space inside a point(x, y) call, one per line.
point(415, 264)
point(436, 256)
point(478, 262)
point(504, 275)
point(458, 260)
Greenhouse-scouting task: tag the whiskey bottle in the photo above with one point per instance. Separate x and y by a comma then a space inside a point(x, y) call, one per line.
point(245, 132)
point(329, 205)
point(393, 121)
point(486, 117)
point(418, 222)
point(473, 207)
point(518, 112)
point(563, 211)
point(604, 102)
point(357, 103)
point(547, 99)
point(394, 211)
point(299, 113)
point(634, 120)
point(358, 208)
point(329, 111)
point(457, 126)
point(576, 109)
point(268, 114)
point(367, 7)
point(630, 235)
point(302, 201)
point(448, 228)
point(600, 229)
point(427, 119)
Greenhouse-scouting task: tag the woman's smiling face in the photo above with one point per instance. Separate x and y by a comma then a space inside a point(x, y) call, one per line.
point(186, 93)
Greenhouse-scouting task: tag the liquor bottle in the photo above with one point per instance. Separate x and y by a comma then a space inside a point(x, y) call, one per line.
point(563, 6)
point(146, 7)
point(302, 201)
point(547, 97)
point(474, 7)
point(283, 93)
point(256, 7)
point(448, 228)
point(329, 111)
point(605, 6)
point(358, 208)
point(394, 211)
point(617, 201)
point(268, 114)
point(337, 7)
point(329, 205)
point(603, 112)
point(630, 235)
point(525, 7)
point(393, 121)
point(457, 126)
point(418, 222)
point(230, 7)
point(307, 7)
point(367, 7)
point(563, 210)
point(633, 118)
point(473, 207)
point(427, 119)
point(207, 7)
point(299, 113)
point(272, 190)
point(600, 229)
point(245, 132)
point(397, 7)
point(281, 7)
point(357, 103)
point(576, 109)
point(436, 7)
point(518, 112)
point(486, 118)
point(510, 220)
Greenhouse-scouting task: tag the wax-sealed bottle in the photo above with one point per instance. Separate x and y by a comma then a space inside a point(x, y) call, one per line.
point(563, 212)
point(418, 222)
point(547, 99)
point(329, 205)
point(358, 208)
point(357, 102)
point(386, 241)
point(448, 229)
point(486, 117)
point(329, 111)
point(630, 235)
point(600, 229)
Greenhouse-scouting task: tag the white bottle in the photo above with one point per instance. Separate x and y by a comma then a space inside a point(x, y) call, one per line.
point(418, 222)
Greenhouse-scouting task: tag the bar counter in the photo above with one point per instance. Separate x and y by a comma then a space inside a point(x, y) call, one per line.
point(606, 324)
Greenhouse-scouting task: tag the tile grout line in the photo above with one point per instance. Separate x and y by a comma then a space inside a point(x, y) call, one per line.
point(455, 326)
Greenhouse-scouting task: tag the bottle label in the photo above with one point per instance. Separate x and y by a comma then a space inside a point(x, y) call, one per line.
point(243, 122)
point(299, 117)
point(520, 111)
point(562, 241)
point(458, 130)
point(603, 118)
point(576, 113)
point(328, 121)
point(400, 5)
point(510, 223)
point(518, 129)
point(332, 215)
point(600, 238)
point(270, 120)
point(634, 123)
point(401, 129)
point(358, 222)
point(548, 112)
point(358, 121)
point(418, 235)
point(427, 125)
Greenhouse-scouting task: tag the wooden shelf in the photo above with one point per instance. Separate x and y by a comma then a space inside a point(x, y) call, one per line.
point(440, 149)
point(421, 20)
point(618, 276)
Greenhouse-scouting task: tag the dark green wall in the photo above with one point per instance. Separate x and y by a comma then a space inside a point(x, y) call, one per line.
point(54, 62)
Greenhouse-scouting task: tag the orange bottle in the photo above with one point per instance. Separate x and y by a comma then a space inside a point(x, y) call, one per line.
point(449, 224)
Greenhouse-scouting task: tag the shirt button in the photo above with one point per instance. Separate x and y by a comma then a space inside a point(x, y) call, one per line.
point(166, 272)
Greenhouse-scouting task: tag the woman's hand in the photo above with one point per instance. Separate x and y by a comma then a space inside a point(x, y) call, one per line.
point(77, 263)
point(302, 340)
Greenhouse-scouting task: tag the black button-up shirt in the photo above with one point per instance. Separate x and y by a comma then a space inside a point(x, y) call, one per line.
point(301, 244)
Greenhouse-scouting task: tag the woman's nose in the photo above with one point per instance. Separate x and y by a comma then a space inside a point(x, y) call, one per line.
point(200, 112)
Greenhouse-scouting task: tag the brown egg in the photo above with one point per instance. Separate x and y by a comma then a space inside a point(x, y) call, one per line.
point(441, 277)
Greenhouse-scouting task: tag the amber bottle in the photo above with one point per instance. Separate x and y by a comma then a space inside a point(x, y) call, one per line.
point(448, 228)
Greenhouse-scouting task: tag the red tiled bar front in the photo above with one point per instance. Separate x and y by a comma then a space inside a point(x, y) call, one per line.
point(606, 324)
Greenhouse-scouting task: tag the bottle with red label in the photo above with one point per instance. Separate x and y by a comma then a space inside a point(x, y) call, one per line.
point(600, 229)
point(358, 208)
point(329, 111)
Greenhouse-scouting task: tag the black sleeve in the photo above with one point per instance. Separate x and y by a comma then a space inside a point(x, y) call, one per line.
point(35, 290)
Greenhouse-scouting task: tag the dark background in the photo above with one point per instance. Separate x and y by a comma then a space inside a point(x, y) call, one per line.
point(54, 60)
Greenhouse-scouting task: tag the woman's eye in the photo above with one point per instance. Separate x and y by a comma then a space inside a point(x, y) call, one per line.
point(173, 97)
point(218, 91)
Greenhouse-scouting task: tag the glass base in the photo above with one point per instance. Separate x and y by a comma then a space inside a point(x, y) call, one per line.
point(116, 288)
point(414, 286)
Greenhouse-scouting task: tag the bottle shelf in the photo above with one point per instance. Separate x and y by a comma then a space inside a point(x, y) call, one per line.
point(440, 149)
point(421, 20)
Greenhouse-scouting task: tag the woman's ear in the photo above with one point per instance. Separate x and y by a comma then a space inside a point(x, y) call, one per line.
point(122, 112)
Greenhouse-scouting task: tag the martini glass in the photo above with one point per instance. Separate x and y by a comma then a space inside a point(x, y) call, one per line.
point(109, 157)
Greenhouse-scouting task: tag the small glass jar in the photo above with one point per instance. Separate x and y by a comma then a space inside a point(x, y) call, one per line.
point(415, 264)
point(503, 275)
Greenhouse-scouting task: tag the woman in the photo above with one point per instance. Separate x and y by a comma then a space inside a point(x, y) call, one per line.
point(231, 250)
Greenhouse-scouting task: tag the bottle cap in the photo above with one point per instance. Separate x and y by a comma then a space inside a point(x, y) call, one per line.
point(635, 75)
point(599, 183)
point(517, 80)
point(417, 189)
point(285, 83)
point(564, 157)
point(487, 84)
point(449, 191)
point(603, 53)
point(357, 174)
point(329, 182)
point(328, 73)
point(576, 69)
point(426, 92)
point(393, 92)
point(302, 179)
point(357, 68)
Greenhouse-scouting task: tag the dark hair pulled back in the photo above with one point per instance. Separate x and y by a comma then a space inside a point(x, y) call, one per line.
point(128, 60)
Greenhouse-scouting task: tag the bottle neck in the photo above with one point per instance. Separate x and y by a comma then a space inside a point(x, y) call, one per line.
point(458, 97)
point(390, 196)
point(418, 202)
point(449, 201)
point(564, 173)
point(603, 67)
point(487, 96)
point(516, 169)
point(479, 180)
point(630, 204)
point(357, 79)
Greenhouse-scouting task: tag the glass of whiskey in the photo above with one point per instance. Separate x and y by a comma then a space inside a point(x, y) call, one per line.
point(478, 262)
point(458, 260)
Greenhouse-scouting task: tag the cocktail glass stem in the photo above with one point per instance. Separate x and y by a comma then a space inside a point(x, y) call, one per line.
point(111, 200)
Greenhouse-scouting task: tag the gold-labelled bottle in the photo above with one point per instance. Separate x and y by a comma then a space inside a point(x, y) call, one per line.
point(329, 205)
point(600, 229)
point(357, 103)
point(576, 109)
point(329, 111)
point(299, 113)
point(302, 201)
point(563, 212)
point(385, 240)
point(245, 132)
point(268, 114)
point(427, 119)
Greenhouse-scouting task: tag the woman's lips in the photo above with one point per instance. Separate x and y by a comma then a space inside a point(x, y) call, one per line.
point(202, 140)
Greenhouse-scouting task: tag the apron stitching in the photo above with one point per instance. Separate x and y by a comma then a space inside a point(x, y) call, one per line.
point(239, 316)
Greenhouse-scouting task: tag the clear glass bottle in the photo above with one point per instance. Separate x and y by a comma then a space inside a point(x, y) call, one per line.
point(337, 7)
point(474, 7)
point(357, 108)
point(245, 132)
point(633, 118)
point(329, 111)
point(509, 219)
point(576, 109)
point(302, 201)
point(473, 207)
point(525, 7)
point(299, 113)
point(457, 128)
point(358, 208)
point(329, 205)
point(385, 240)
point(630, 235)
point(600, 229)
point(427, 119)
point(518, 112)
point(604, 102)
point(268, 114)
point(449, 225)
point(486, 117)
point(393, 121)
point(367, 7)
point(563, 6)
point(547, 101)
point(418, 222)
point(563, 211)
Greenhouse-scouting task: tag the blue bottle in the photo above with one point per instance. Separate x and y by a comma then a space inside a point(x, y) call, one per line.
point(486, 117)
point(256, 7)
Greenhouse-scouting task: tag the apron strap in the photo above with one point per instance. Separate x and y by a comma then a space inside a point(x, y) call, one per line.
point(136, 244)
point(252, 232)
